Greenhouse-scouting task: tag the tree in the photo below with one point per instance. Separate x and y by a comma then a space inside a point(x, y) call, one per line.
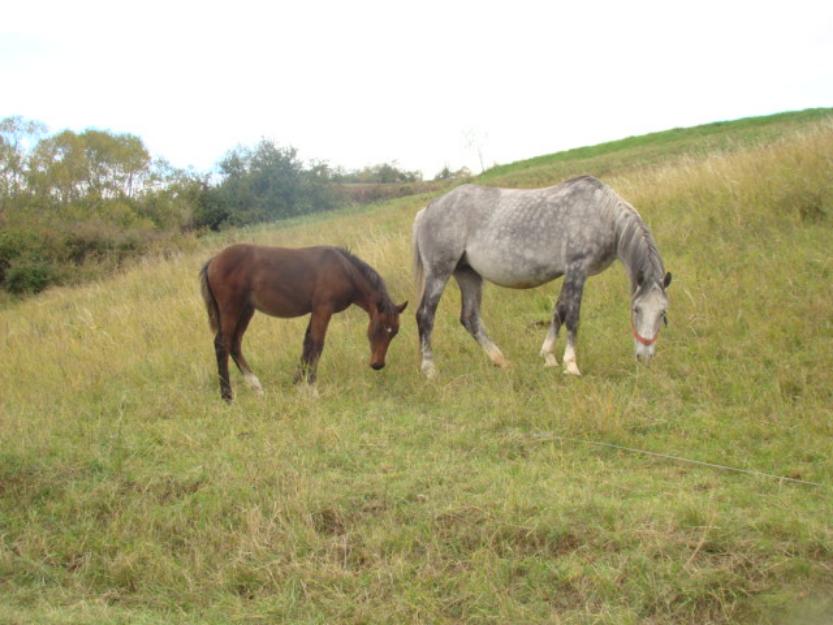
point(265, 184)
point(448, 174)
point(383, 173)
point(117, 165)
point(16, 137)
point(94, 165)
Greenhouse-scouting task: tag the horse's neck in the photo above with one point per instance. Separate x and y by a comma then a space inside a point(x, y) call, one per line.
point(364, 293)
point(363, 299)
point(634, 245)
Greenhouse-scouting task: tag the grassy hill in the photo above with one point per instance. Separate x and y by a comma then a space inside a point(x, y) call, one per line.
point(129, 493)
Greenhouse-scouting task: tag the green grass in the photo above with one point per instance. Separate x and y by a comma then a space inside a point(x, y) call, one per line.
point(658, 148)
point(129, 493)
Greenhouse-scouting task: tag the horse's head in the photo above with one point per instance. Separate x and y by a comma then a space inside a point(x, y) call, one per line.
point(384, 324)
point(648, 309)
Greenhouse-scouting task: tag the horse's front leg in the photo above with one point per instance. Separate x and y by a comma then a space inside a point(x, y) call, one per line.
point(567, 311)
point(313, 346)
point(548, 348)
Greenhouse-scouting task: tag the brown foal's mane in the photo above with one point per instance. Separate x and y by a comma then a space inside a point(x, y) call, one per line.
point(371, 275)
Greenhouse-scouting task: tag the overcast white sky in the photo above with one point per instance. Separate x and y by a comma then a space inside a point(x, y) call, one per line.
point(424, 83)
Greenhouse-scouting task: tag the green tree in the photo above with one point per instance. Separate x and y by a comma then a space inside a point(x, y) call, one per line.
point(265, 184)
point(93, 165)
point(117, 165)
point(16, 137)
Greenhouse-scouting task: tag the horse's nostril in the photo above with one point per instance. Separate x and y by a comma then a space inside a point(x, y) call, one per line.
point(377, 365)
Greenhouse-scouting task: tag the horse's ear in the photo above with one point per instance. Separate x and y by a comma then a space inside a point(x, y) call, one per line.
point(401, 308)
point(667, 281)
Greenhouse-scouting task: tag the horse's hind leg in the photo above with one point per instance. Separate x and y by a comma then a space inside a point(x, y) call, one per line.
point(227, 343)
point(431, 293)
point(471, 289)
point(221, 349)
point(237, 352)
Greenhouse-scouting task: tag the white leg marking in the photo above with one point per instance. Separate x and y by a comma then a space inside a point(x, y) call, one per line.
point(495, 355)
point(547, 350)
point(254, 383)
point(306, 389)
point(428, 369)
point(570, 366)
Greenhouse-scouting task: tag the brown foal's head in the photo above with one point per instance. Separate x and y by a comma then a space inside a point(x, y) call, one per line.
point(384, 324)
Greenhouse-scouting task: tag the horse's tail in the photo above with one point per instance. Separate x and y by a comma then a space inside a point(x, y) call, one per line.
point(419, 268)
point(208, 298)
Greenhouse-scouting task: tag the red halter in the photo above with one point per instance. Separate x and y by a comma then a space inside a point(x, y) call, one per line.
point(642, 339)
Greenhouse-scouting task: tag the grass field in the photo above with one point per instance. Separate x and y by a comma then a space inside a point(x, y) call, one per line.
point(129, 493)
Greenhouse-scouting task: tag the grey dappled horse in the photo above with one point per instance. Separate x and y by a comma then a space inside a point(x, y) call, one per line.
point(522, 238)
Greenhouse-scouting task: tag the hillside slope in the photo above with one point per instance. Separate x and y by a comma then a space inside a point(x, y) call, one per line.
point(130, 493)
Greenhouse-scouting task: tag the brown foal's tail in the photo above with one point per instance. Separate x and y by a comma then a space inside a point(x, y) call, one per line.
point(419, 268)
point(208, 298)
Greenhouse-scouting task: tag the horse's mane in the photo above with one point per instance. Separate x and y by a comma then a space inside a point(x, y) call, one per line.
point(639, 251)
point(370, 274)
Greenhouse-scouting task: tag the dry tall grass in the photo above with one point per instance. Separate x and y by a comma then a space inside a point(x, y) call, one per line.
point(130, 493)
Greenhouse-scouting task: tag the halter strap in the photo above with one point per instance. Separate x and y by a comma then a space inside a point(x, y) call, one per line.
point(642, 339)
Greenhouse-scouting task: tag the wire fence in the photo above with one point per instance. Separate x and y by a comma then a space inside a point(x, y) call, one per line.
point(543, 436)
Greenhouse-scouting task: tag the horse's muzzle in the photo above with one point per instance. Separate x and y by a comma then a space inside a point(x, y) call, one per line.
point(377, 365)
point(644, 355)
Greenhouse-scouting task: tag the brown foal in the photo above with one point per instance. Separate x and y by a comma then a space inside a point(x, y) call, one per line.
point(285, 282)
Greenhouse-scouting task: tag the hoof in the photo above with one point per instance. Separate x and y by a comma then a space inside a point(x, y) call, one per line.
point(501, 362)
point(308, 390)
point(570, 368)
point(255, 385)
point(428, 370)
point(550, 360)
point(496, 356)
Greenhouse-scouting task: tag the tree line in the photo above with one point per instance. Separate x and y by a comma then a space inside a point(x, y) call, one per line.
point(76, 204)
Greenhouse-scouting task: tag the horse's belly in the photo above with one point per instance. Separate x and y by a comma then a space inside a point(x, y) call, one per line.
point(513, 270)
point(275, 307)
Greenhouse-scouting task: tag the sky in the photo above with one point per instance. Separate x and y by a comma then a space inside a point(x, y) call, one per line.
point(426, 84)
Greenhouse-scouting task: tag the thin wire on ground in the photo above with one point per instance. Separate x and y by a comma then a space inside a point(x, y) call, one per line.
point(711, 465)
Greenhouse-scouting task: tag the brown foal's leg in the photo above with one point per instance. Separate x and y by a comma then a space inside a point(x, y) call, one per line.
point(224, 343)
point(221, 349)
point(237, 352)
point(313, 345)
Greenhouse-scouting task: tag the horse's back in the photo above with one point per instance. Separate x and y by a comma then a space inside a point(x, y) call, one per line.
point(480, 206)
point(521, 237)
point(279, 281)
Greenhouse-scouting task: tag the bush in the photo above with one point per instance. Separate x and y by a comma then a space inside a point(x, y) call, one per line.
point(29, 276)
point(807, 203)
point(15, 244)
